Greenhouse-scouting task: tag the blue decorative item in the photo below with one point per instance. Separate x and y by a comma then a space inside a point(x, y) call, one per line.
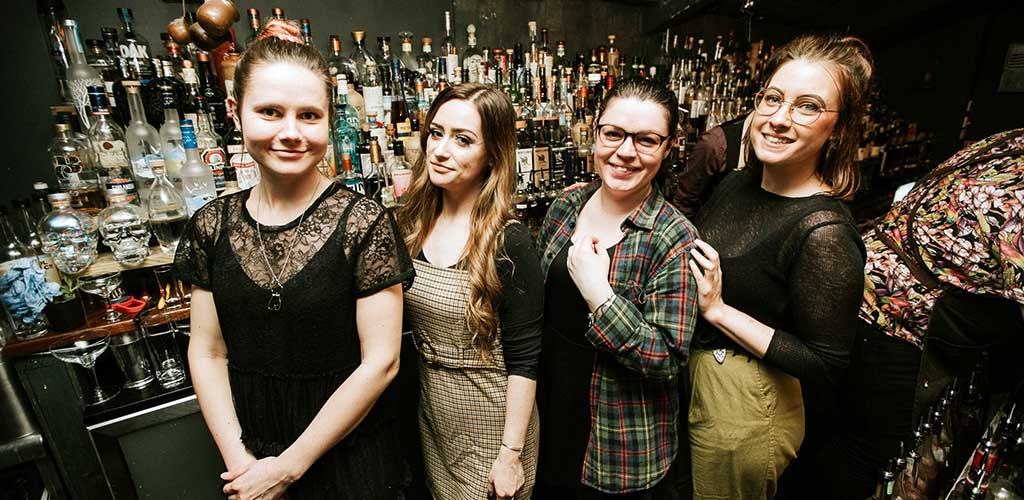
point(25, 293)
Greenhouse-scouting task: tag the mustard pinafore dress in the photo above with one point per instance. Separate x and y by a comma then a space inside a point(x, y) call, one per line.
point(462, 396)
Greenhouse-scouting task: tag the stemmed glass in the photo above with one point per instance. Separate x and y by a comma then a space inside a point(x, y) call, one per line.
point(85, 353)
point(104, 285)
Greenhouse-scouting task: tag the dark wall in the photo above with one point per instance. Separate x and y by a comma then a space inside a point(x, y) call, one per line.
point(582, 23)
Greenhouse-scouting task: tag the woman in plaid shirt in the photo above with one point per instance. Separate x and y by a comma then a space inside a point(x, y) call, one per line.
point(620, 306)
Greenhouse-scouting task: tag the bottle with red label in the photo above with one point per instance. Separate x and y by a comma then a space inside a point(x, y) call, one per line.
point(210, 144)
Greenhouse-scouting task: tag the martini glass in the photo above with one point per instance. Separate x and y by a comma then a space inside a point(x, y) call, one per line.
point(85, 353)
point(104, 285)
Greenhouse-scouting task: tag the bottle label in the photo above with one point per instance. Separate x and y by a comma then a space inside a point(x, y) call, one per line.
point(234, 149)
point(109, 85)
point(215, 158)
point(246, 170)
point(453, 67)
point(142, 166)
point(524, 169)
point(401, 180)
point(67, 166)
point(403, 129)
point(125, 184)
point(472, 63)
point(365, 166)
point(193, 203)
point(373, 100)
point(561, 161)
point(541, 165)
point(112, 154)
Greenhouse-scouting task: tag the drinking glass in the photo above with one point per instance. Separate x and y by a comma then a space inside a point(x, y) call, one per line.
point(133, 357)
point(85, 353)
point(160, 335)
point(104, 285)
point(171, 290)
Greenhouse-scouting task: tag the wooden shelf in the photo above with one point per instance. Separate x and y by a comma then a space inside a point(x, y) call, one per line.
point(105, 263)
point(95, 326)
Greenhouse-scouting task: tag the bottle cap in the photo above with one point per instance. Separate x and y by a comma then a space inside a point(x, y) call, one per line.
point(40, 186)
point(116, 193)
point(58, 197)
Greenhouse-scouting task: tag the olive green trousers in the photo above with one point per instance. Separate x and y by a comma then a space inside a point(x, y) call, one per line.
point(746, 422)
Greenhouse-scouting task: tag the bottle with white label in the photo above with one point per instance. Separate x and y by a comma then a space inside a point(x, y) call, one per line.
point(170, 139)
point(373, 91)
point(142, 139)
point(246, 172)
point(109, 146)
point(196, 177)
point(472, 57)
point(211, 146)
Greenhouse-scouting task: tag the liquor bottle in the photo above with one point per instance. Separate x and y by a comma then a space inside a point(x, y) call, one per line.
point(12, 247)
point(51, 14)
point(40, 204)
point(173, 56)
point(373, 91)
point(442, 75)
point(613, 56)
point(142, 139)
point(277, 13)
point(585, 158)
point(188, 101)
point(425, 61)
point(80, 76)
point(71, 159)
point(171, 145)
point(413, 149)
point(401, 174)
point(67, 235)
point(337, 63)
point(448, 48)
point(167, 212)
point(386, 57)
point(24, 224)
point(399, 100)
point(306, 31)
point(125, 228)
point(254, 26)
point(407, 56)
point(134, 48)
point(165, 81)
point(108, 143)
point(886, 483)
point(240, 161)
point(531, 55)
point(541, 155)
point(97, 57)
point(373, 173)
point(563, 155)
point(524, 158)
point(196, 176)
point(230, 181)
point(472, 57)
point(544, 56)
point(210, 144)
point(214, 95)
point(364, 149)
point(560, 63)
point(349, 178)
point(362, 59)
point(346, 127)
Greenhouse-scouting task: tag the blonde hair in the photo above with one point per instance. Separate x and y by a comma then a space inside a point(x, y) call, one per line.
point(491, 211)
point(850, 59)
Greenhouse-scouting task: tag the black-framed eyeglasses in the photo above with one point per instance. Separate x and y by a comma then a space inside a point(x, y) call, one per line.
point(804, 110)
point(645, 142)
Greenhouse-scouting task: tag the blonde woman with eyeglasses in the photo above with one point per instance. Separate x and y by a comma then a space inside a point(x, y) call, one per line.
point(780, 271)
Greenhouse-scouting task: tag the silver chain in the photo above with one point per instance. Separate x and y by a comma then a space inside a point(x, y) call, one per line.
point(275, 292)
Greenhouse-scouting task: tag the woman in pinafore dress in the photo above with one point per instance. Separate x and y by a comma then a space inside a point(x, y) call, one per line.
point(296, 303)
point(477, 305)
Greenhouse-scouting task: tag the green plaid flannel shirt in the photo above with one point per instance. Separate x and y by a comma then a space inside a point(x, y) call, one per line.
point(642, 337)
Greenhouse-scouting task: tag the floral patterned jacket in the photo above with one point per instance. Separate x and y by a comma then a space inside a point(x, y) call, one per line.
point(959, 227)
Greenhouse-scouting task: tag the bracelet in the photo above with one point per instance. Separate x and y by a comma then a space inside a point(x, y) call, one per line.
point(517, 450)
point(591, 317)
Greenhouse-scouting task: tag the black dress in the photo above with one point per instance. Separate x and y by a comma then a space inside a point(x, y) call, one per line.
point(283, 365)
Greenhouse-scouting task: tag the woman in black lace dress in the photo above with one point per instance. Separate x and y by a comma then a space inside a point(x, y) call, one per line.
point(296, 302)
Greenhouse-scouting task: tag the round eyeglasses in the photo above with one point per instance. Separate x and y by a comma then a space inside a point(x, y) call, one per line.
point(803, 111)
point(647, 143)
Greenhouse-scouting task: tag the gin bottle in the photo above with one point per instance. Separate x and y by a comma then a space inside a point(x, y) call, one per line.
point(142, 139)
point(125, 228)
point(167, 212)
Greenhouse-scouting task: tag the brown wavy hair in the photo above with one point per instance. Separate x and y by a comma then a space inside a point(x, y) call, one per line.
point(491, 211)
point(852, 67)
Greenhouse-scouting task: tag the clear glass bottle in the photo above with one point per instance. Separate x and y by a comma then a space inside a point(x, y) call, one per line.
point(373, 91)
point(171, 145)
point(142, 139)
point(196, 177)
point(349, 178)
point(211, 145)
point(67, 235)
point(167, 212)
point(108, 143)
point(124, 227)
point(80, 76)
point(13, 247)
point(472, 57)
point(134, 48)
point(40, 205)
point(448, 49)
point(306, 31)
point(425, 61)
point(401, 174)
point(338, 64)
point(346, 127)
point(51, 15)
point(246, 171)
point(72, 162)
point(361, 59)
point(406, 55)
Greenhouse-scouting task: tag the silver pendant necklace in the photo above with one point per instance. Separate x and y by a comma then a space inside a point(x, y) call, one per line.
point(274, 304)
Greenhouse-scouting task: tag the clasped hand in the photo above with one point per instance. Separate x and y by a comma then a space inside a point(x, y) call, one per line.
point(707, 271)
point(264, 479)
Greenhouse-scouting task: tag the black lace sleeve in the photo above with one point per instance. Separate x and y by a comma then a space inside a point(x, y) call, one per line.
point(826, 284)
point(379, 255)
point(193, 257)
point(522, 302)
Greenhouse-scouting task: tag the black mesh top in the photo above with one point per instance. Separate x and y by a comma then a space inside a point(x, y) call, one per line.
point(794, 264)
point(284, 365)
